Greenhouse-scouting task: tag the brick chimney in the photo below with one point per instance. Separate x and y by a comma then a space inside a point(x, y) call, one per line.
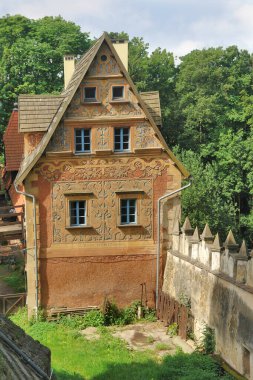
point(121, 47)
point(69, 68)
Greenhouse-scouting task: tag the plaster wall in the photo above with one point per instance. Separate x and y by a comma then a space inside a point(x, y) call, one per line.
point(219, 303)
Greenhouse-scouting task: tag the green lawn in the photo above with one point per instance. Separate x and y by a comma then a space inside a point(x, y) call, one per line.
point(75, 358)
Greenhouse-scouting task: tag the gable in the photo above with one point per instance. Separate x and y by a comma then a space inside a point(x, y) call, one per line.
point(69, 94)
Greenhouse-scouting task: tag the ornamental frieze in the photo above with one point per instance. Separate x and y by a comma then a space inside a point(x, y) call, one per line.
point(145, 137)
point(60, 140)
point(102, 211)
point(95, 169)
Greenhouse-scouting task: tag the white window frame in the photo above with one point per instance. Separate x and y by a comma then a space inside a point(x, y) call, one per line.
point(83, 144)
point(128, 214)
point(121, 141)
point(77, 201)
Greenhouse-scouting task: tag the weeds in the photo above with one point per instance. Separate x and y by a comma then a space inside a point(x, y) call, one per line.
point(172, 329)
point(207, 343)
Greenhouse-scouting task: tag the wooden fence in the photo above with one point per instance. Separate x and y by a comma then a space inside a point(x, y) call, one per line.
point(170, 311)
point(9, 303)
point(12, 222)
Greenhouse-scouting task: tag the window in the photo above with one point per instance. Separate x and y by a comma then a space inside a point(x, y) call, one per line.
point(117, 92)
point(128, 211)
point(121, 139)
point(90, 94)
point(82, 140)
point(77, 210)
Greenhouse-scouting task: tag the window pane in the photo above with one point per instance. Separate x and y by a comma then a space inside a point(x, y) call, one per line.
point(117, 92)
point(90, 93)
point(81, 220)
point(73, 221)
point(131, 218)
point(123, 219)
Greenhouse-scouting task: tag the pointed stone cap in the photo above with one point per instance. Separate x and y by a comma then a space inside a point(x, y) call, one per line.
point(230, 242)
point(207, 234)
point(216, 246)
point(195, 237)
point(243, 250)
point(187, 228)
point(176, 228)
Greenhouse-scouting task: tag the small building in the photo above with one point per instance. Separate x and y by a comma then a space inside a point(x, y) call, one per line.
point(95, 163)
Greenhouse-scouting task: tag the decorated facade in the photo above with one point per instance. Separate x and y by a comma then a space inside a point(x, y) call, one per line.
point(95, 164)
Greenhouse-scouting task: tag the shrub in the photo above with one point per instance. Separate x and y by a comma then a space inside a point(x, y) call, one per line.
point(93, 318)
point(207, 345)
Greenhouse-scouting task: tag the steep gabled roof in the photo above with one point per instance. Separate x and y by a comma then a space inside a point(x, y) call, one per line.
point(80, 71)
point(13, 144)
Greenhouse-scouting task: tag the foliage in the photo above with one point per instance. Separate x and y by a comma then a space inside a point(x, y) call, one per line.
point(172, 329)
point(31, 56)
point(116, 316)
point(74, 357)
point(207, 343)
point(92, 318)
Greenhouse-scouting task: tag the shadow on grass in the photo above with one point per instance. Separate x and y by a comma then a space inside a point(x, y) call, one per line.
point(178, 367)
point(63, 375)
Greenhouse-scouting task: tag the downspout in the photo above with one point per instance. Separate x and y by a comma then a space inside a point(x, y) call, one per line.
point(158, 234)
point(35, 248)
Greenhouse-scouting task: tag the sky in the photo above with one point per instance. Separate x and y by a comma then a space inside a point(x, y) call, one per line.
point(176, 25)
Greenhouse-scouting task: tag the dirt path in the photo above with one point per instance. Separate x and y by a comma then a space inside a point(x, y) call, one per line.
point(4, 288)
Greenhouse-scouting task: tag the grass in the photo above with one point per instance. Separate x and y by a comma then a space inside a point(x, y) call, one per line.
point(14, 278)
point(75, 358)
point(162, 347)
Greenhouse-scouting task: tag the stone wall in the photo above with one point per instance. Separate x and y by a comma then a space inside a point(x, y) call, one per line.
point(216, 280)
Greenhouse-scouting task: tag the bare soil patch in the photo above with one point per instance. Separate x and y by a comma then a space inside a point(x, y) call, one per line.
point(144, 336)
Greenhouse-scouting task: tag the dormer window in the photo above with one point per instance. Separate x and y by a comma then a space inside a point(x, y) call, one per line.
point(90, 94)
point(117, 92)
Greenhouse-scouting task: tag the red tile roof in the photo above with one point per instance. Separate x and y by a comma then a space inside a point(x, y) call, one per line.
point(13, 143)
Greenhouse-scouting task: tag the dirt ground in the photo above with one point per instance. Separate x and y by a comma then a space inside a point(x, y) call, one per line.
point(145, 336)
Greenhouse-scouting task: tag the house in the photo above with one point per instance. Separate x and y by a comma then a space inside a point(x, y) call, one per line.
point(95, 164)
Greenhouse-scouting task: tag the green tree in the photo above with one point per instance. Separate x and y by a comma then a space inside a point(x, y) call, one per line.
point(32, 57)
point(214, 89)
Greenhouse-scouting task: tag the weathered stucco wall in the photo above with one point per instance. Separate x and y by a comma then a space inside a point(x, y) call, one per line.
point(79, 267)
point(87, 281)
point(195, 271)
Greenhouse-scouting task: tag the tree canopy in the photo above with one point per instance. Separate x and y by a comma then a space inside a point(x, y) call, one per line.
point(207, 107)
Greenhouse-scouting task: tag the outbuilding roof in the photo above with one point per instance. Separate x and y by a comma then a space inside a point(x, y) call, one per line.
point(13, 143)
point(37, 111)
point(152, 101)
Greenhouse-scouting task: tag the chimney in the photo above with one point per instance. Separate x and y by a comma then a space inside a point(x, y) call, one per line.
point(121, 47)
point(69, 68)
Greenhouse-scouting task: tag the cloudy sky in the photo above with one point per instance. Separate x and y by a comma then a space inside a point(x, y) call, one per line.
point(177, 25)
